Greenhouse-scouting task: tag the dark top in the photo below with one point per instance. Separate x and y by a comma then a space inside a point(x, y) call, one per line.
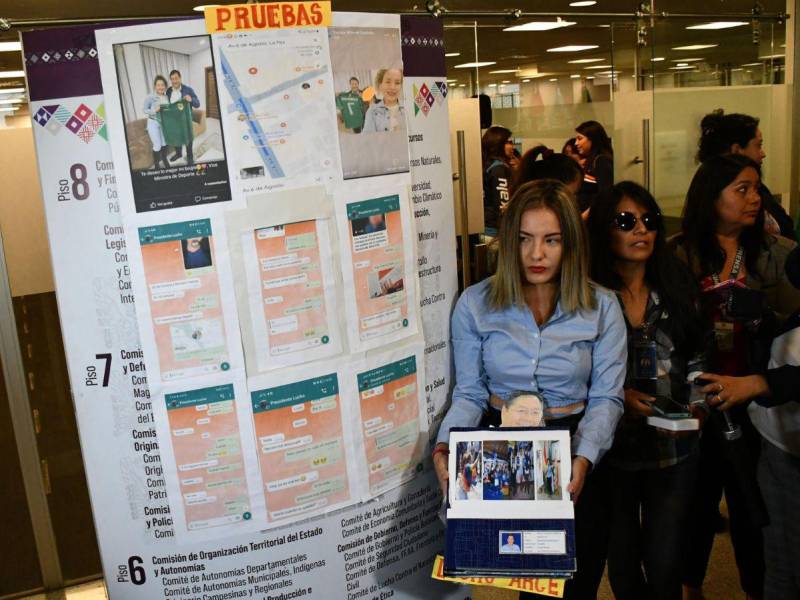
point(185, 91)
point(597, 177)
point(776, 211)
point(496, 180)
point(637, 445)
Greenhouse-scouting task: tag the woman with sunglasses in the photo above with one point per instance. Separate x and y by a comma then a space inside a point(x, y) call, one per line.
point(539, 325)
point(651, 471)
point(740, 268)
point(594, 147)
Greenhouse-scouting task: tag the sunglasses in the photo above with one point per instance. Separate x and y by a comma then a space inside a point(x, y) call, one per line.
point(626, 221)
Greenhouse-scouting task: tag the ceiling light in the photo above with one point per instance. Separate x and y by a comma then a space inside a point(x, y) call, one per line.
point(503, 71)
point(753, 64)
point(771, 56)
point(574, 76)
point(506, 81)
point(681, 68)
point(203, 7)
point(719, 25)
point(475, 65)
point(11, 74)
point(583, 3)
point(738, 69)
point(553, 79)
point(17, 90)
point(696, 47)
point(657, 59)
point(590, 77)
point(581, 61)
point(686, 60)
point(462, 85)
point(8, 108)
point(526, 81)
point(540, 25)
point(450, 54)
point(10, 47)
point(610, 73)
point(492, 85)
point(13, 101)
point(682, 65)
point(574, 48)
point(598, 67)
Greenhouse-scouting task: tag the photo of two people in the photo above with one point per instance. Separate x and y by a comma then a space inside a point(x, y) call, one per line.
point(368, 80)
point(168, 95)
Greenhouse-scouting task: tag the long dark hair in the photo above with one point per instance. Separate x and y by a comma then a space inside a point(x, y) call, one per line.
point(700, 216)
point(493, 144)
point(718, 132)
point(601, 143)
point(551, 166)
point(665, 274)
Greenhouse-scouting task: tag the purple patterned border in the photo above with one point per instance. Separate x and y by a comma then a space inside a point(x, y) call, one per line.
point(423, 46)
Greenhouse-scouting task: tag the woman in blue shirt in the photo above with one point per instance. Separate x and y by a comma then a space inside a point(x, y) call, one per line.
point(539, 325)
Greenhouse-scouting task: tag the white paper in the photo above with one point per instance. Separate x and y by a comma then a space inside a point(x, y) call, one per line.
point(305, 435)
point(285, 250)
point(277, 109)
point(490, 459)
point(208, 456)
point(185, 305)
point(378, 250)
point(391, 415)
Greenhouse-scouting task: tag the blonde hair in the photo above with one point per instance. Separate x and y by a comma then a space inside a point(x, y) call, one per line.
point(505, 288)
point(382, 72)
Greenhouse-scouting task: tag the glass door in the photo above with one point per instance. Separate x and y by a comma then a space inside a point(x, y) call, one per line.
point(701, 65)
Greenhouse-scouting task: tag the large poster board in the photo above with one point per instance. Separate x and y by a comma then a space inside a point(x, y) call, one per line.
point(185, 519)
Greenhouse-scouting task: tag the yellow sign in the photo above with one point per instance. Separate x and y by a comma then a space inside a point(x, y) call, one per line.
point(267, 15)
point(553, 588)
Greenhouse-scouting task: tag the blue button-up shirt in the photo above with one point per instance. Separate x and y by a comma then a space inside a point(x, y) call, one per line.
point(572, 357)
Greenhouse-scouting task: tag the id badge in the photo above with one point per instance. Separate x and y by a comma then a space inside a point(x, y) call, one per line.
point(645, 363)
point(723, 332)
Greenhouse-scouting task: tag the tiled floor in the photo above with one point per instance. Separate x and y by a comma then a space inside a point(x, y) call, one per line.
point(95, 590)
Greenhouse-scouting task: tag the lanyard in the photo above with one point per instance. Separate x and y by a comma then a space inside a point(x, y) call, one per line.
point(737, 264)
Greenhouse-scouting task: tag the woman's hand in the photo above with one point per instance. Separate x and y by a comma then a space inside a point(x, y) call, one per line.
point(440, 465)
point(725, 392)
point(580, 467)
point(157, 108)
point(638, 404)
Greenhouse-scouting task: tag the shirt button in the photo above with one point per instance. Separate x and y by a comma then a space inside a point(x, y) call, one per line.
point(535, 335)
point(533, 361)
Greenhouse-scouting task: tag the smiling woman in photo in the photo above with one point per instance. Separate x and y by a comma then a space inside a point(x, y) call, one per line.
point(386, 114)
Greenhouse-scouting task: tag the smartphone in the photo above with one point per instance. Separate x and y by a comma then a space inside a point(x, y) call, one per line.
point(667, 407)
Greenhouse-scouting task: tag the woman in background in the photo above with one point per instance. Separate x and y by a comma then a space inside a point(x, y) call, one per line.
point(651, 471)
point(152, 105)
point(496, 144)
point(739, 134)
point(542, 163)
point(594, 147)
point(539, 325)
point(740, 268)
